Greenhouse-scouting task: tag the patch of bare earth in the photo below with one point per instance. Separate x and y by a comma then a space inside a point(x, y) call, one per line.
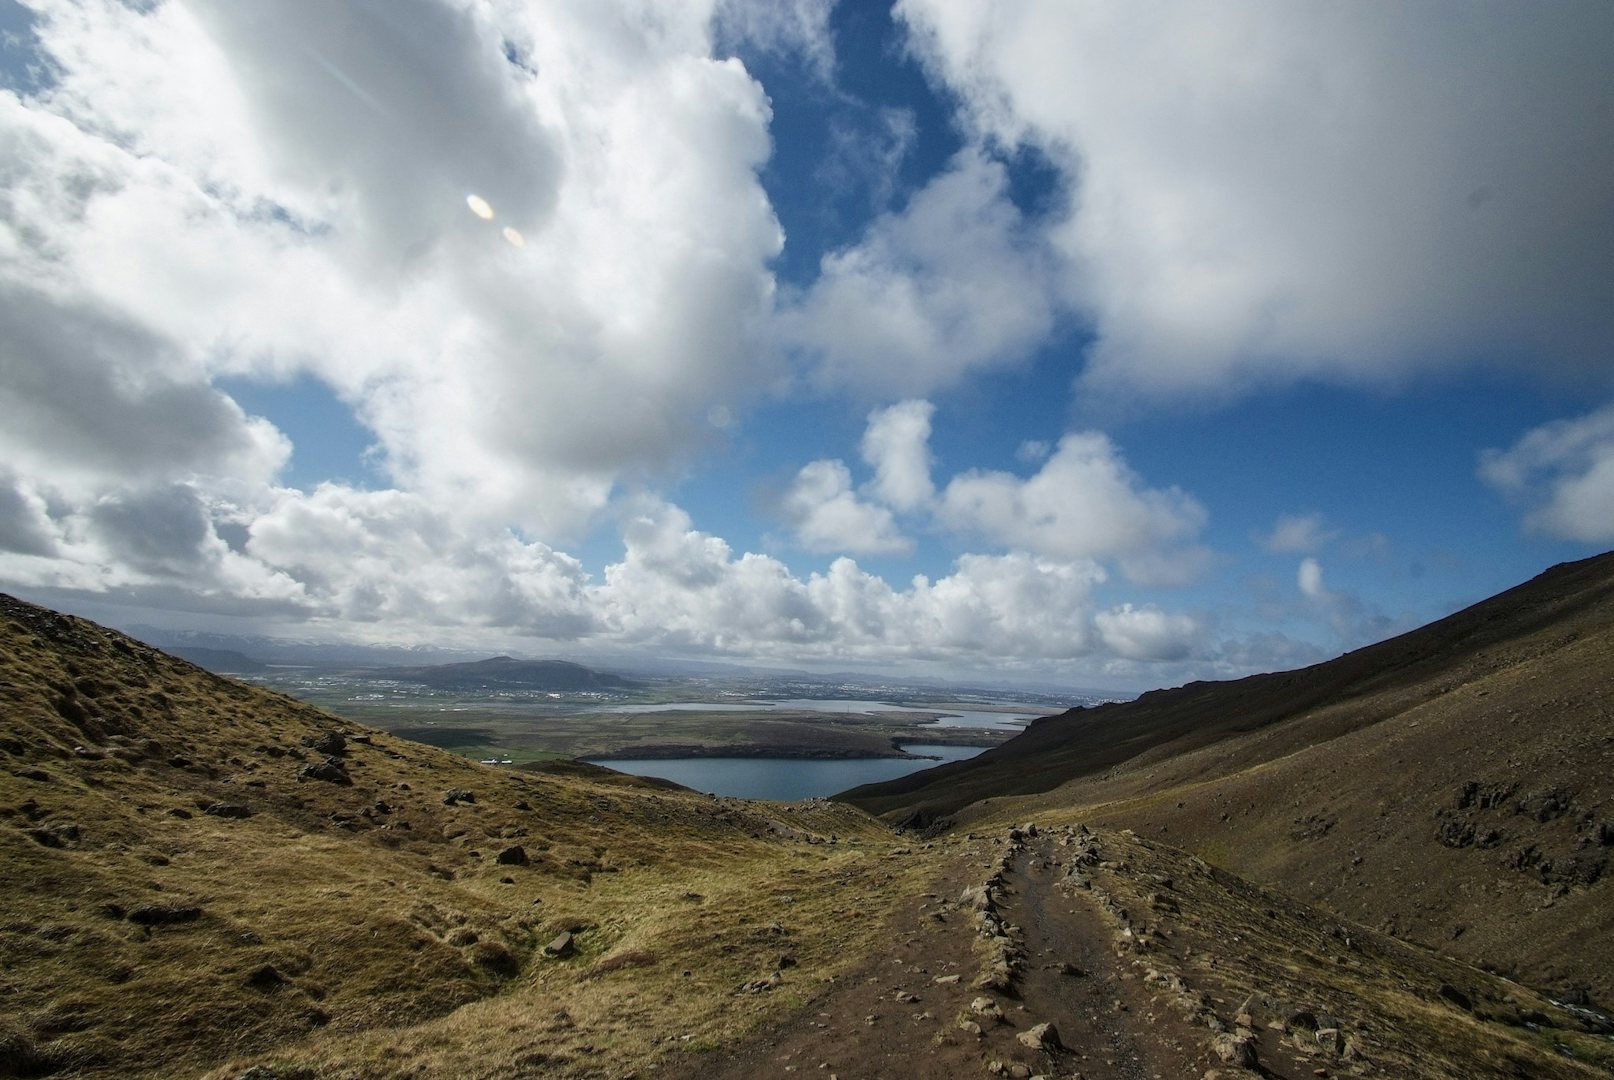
point(929, 1005)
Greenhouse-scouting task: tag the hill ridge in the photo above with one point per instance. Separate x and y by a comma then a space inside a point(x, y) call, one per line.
point(1454, 785)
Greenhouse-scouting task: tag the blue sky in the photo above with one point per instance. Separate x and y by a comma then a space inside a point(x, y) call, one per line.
point(1095, 346)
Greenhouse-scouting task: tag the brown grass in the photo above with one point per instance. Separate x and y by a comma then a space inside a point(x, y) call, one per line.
point(367, 929)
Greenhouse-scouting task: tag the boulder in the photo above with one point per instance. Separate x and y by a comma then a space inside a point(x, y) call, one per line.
point(514, 855)
point(1040, 1037)
point(562, 946)
point(331, 770)
point(330, 742)
point(227, 810)
point(457, 795)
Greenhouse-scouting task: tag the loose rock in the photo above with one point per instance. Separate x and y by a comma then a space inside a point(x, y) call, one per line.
point(514, 855)
point(331, 770)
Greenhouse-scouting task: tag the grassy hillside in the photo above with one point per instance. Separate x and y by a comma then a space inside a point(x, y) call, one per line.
point(1454, 785)
point(198, 878)
point(202, 879)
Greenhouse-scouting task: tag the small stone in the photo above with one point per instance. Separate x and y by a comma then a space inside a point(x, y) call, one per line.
point(227, 810)
point(1041, 1037)
point(457, 795)
point(562, 946)
point(514, 855)
point(945, 980)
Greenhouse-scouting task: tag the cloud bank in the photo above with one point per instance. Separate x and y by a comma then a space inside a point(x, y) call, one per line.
point(1254, 200)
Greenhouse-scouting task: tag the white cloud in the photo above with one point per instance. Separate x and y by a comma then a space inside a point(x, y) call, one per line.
point(1310, 580)
point(1344, 191)
point(1353, 621)
point(1564, 471)
point(896, 444)
point(782, 27)
point(953, 284)
point(827, 515)
point(273, 190)
point(677, 587)
point(373, 556)
point(1148, 633)
point(90, 394)
point(1033, 451)
point(1296, 533)
point(1085, 502)
point(263, 189)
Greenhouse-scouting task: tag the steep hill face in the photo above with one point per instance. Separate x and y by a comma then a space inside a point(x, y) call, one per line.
point(195, 872)
point(508, 672)
point(1454, 785)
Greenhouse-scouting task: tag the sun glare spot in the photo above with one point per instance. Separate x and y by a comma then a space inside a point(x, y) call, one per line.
point(515, 238)
point(480, 207)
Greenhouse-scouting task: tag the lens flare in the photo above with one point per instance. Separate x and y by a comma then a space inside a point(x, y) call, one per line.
point(480, 207)
point(515, 238)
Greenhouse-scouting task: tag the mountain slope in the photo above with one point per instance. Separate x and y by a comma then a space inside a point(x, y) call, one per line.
point(202, 879)
point(1454, 785)
point(194, 871)
point(509, 673)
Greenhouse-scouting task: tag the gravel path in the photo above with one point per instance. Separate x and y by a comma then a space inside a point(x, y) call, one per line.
point(892, 1018)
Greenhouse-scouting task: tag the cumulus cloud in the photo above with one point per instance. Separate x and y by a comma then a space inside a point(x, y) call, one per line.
point(1148, 633)
point(371, 556)
point(896, 444)
point(1564, 473)
point(1084, 502)
point(275, 191)
point(1367, 191)
point(954, 283)
point(828, 516)
point(1296, 533)
point(266, 190)
point(678, 587)
point(90, 394)
point(1310, 580)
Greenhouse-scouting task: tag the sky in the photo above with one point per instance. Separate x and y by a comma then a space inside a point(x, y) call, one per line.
point(1067, 343)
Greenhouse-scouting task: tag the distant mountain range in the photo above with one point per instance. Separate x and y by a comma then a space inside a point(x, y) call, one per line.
point(506, 672)
point(223, 661)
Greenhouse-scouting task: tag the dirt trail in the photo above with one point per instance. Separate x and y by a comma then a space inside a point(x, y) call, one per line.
point(892, 1018)
point(1073, 979)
